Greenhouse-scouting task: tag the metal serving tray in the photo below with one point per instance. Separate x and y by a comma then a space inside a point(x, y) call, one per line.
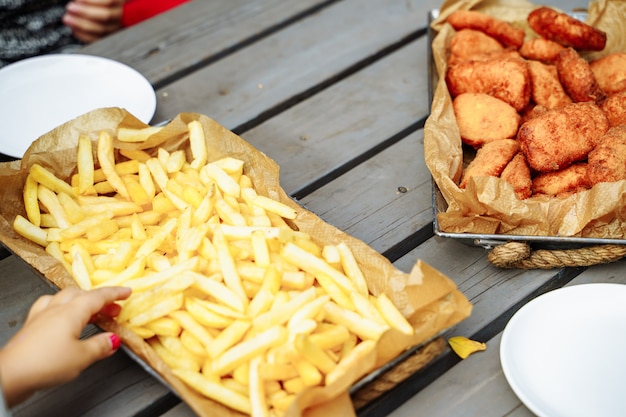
point(488, 241)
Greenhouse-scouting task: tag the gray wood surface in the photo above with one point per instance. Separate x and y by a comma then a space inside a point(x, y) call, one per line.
point(336, 93)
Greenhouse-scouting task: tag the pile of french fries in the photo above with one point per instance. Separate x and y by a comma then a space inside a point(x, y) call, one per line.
point(243, 308)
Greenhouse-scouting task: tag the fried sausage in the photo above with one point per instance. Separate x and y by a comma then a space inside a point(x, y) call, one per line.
point(566, 30)
point(577, 78)
point(540, 49)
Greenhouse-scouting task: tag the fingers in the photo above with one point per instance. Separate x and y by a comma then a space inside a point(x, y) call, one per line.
point(91, 20)
point(98, 347)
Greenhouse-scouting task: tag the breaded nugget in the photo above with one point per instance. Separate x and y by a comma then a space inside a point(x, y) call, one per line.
point(547, 90)
point(540, 49)
point(532, 111)
point(610, 72)
point(504, 78)
point(490, 160)
point(566, 30)
point(577, 78)
point(615, 108)
point(470, 44)
point(607, 161)
point(517, 173)
point(555, 139)
point(482, 118)
point(570, 179)
point(504, 32)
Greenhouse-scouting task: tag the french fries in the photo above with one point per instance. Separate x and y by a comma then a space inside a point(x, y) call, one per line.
point(242, 308)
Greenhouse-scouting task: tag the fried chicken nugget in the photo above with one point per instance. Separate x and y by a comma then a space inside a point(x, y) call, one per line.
point(540, 49)
point(504, 32)
point(610, 72)
point(607, 161)
point(470, 44)
point(517, 173)
point(562, 183)
point(490, 160)
point(555, 139)
point(566, 30)
point(547, 90)
point(482, 118)
point(505, 78)
point(615, 108)
point(577, 78)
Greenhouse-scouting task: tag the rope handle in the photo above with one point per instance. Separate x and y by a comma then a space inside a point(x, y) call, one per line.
point(519, 255)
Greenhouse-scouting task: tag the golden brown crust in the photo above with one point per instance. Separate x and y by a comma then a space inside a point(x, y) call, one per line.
point(470, 44)
point(610, 72)
point(566, 30)
point(607, 161)
point(547, 90)
point(505, 78)
point(540, 49)
point(615, 108)
point(482, 118)
point(490, 160)
point(555, 139)
point(504, 32)
point(517, 173)
point(570, 179)
point(577, 78)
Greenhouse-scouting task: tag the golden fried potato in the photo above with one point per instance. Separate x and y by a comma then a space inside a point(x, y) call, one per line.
point(504, 32)
point(561, 183)
point(577, 78)
point(505, 78)
point(490, 160)
point(547, 90)
point(610, 72)
point(557, 138)
point(482, 118)
point(540, 49)
point(607, 161)
point(517, 173)
point(615, 108)
point(566, 30)
point(467, 44)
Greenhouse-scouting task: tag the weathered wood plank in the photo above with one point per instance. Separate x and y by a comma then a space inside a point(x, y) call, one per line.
point(194, 33)
point(331, 128)
point(244, 85)
point(477, 386)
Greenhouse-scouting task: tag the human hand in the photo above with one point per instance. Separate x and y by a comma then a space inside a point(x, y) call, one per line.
point(48, 351)
point(91, 20)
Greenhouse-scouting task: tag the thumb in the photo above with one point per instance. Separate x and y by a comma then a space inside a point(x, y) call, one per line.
point(101, 346)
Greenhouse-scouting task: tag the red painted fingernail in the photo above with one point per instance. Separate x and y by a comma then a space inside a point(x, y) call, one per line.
point(115, 341)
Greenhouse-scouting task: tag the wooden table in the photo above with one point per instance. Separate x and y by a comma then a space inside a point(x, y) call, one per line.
point(336, 92)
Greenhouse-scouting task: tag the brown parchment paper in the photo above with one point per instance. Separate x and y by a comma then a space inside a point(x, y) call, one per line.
point(430, 300)
point(488, 205)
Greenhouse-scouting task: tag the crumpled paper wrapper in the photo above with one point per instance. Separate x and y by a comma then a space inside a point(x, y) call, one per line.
point(488, 205)
point(430, 300)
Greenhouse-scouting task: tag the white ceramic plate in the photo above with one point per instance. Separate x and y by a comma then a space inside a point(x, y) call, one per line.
point(564, 353)
point(41, 93)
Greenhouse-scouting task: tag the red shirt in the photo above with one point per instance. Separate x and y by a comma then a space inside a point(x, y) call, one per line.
point(136, 11)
